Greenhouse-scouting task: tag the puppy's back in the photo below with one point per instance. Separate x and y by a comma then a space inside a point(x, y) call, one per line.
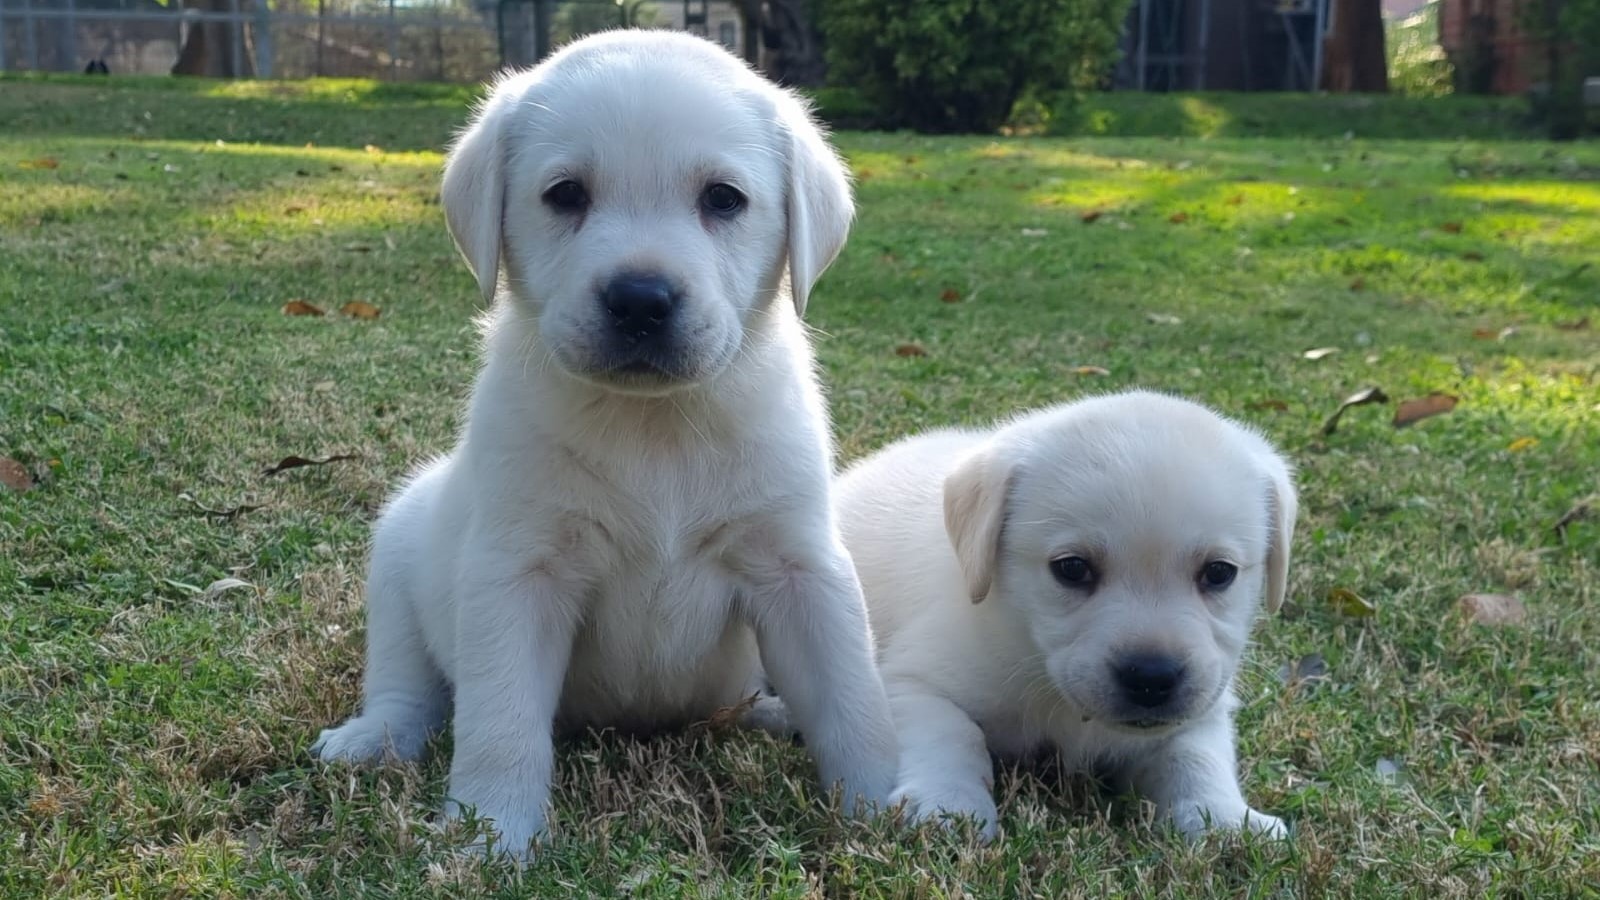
point(891, 513)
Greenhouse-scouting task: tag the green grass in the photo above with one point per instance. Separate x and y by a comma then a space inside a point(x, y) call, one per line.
point(152, 736)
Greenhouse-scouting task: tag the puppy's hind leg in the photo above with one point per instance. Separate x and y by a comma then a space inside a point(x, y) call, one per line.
point(404, 696)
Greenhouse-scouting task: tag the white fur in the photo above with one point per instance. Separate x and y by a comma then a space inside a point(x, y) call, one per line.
point(981, 648)
point(611, 549)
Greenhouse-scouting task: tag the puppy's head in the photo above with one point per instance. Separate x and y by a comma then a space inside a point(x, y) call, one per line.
point(1134, 534)
point(648, 198)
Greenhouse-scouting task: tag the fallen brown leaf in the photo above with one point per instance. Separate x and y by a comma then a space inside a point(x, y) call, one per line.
point(1472, 256)
point(1358, 284)
point(1235, 200)
point(301, 308)
point(1360, 398)
point(1485, 334)
point(1091, 370)
point(910, 350)
point(1320, 353)
point(1271, 403)
point(357, 309)
point(1178, 218)
point(14, 475)
point(297, 462)
point(1577, 513)
point(226, 513)
point(1522, 443)
point(1493, 609)
point(1451, 227)
point(1349, 603)
point(1091, 215)
point(1574, 324)
point(43, 162)
point(950, 295)
point(374, 148)
point(1412, 411)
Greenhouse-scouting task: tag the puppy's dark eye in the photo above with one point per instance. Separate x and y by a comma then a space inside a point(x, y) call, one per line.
point(1217, 575)
point(722, 200)
point(567, 196)
point(1074, 572)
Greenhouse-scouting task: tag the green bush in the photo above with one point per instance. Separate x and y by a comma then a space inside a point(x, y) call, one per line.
point(962, 65)
point(1417, 64)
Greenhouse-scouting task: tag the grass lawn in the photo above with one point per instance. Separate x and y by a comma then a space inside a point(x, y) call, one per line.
point(153, 731)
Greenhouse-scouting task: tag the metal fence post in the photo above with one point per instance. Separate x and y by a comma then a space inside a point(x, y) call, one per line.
point(2, 35)
point(236, 33)
point(69, 36)
point(394, 43)
point(30, 35)
point(263, 40)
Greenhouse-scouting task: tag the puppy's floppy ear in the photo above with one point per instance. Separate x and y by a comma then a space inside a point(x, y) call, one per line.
point(1282, 507)
point(473, 192)
point(819, 203)
point(974, 509)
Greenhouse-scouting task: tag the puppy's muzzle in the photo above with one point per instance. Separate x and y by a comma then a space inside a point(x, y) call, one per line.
point(1147, 685)
point(643, 342)
point(641, 308)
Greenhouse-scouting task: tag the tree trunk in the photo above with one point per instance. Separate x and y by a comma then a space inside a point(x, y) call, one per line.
point(793, 43)
point(1353, 57)
point(210, 49)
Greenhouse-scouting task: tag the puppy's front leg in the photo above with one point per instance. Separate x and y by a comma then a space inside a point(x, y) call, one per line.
point(944, 759)
point(1194, 782)
point(811, 624)
point(514, 639)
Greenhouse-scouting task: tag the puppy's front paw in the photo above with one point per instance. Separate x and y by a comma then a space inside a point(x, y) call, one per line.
point(367, 739)
point(1194, 820)
point(513, 833)
point(1265, 825)
point(944, 802)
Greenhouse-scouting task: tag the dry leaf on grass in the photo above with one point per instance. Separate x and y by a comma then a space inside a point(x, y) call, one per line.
point(1156, 318)
point(1320, 353)
point(1577, 513)
point(1451, 227)
point(223, 513)
point(298, 462)
point(1410, 412)
point(1349, 603)
point(1493, 609)
point(1390, 772)
point(1472, 256)
point(1522, 443)
point(301, 308)
point(1271, 403)
point(14, 475)
point(1307, 669)
point(910, 350)
point(1178, 218)
point(1358, 283)
point(1574, 324)
point(1235, 200)
point(1359, 398)
point(729, 716)
point(1091, 215)
point(949, 295)
point(43, 162)
point(1091, 370)
point(357, 309)
point(223, 585)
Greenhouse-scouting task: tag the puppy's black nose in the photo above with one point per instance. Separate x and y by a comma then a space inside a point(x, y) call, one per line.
point(1147, 680)
point(640, 306)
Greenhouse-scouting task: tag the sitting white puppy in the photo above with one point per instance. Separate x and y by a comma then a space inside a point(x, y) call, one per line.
point(640, 497)
point(1083, 578)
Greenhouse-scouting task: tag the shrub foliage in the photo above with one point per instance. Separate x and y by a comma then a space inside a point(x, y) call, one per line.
point(962, 65)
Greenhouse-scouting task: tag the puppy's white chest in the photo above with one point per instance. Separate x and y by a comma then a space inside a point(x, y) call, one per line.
point(662, 640)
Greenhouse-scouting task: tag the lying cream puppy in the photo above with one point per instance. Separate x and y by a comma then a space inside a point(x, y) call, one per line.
point(636, 517)
point(1083, 578)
